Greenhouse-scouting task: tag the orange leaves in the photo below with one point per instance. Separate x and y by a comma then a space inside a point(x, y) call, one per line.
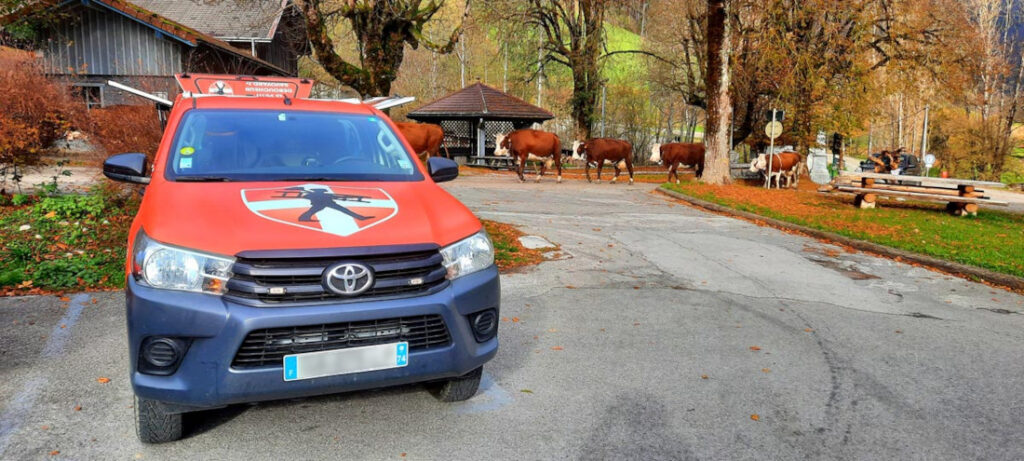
point(65, 299)
point(78, 408)
point(808, 330)
point(755, 348)
point(766, 370)
point(103, 380)
point(755, 417)
point(556, 348)
point(703, 376)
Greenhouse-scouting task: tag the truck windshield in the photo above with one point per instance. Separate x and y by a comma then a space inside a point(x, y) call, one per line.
point(266, 145)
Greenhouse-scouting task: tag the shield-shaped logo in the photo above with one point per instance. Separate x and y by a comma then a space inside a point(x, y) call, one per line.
point(335, 210)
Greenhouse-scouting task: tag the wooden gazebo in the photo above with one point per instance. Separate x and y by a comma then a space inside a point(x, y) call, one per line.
point(474, 115)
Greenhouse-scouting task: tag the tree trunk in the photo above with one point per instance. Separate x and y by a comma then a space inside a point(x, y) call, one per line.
point(719, 112)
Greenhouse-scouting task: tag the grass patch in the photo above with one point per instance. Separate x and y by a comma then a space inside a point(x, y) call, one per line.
point(509, 254)
point(65, 243)
point(992, 240)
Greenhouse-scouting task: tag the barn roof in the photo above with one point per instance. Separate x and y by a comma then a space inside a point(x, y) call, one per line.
point(224, 19)
point(480, 101)
point(168, 27)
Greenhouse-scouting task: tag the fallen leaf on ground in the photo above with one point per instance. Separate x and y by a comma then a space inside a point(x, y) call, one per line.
point(515, 319)
point(636, 324)
point(899, 331)
point(103, 380)
point(703, 376)
point(556, 348)
point(65, 299)
point(570, 287)
point(54, 452)
point(51, 215)
point(766, 370)
point(808, 330)
point(78, 408)
point(45, 427)
point(755, 417)
point(94, 301)
point(551, 330)
point(526, 391)
point(755, 348)
point(504, 319)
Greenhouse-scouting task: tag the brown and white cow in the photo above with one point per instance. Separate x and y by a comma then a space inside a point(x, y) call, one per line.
point(604, 150)
point(782, 164)
point(527, 144)
point(425, 138)
point(677, 153)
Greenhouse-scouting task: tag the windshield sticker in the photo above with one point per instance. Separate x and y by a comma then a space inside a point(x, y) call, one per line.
point(186, 151)
point(404, 163)
point(185, 163)
point(282, 117)
point(341, 211)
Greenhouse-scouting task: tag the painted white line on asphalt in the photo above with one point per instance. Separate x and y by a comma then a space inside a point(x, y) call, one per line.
point(22, 403)
point(62, 330)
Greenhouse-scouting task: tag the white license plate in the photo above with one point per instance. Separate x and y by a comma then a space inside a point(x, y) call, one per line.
point(343, 361)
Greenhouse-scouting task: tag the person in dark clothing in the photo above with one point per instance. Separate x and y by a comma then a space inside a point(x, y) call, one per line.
point(320, 200)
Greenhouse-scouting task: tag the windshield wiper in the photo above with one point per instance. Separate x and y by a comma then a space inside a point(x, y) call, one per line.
point(202, 179)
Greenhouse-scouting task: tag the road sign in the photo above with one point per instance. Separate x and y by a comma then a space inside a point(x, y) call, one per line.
point(929, 160)
point(773, 129)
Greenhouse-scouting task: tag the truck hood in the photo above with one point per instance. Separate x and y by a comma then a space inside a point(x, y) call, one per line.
point(232, 217)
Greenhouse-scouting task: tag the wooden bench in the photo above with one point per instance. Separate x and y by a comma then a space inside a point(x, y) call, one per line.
point(962, 196)
point(492, 161)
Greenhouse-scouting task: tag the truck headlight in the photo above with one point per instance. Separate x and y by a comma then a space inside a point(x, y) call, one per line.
point(469, 255)
point(170, 268)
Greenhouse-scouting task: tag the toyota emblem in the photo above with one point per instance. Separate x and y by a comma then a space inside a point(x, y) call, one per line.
point(348, 279)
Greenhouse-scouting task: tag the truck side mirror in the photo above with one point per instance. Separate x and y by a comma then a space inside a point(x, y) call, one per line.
point(127, 168)
point(442, 169)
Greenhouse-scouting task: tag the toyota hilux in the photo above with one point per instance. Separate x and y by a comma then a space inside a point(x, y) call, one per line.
point(288, 247)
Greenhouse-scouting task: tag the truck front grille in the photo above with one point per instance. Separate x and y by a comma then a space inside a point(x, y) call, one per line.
point(282, 280)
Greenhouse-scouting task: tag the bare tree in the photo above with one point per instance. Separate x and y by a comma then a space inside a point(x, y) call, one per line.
point(382, 29)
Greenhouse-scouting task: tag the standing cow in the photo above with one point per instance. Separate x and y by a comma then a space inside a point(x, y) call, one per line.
point(530, 144)
point(677, 153)
point(425, 138)
point(782, 164)
point(601, 150)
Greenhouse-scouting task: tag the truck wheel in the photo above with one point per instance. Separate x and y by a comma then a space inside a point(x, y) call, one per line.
point(153, 425)
point(458, 389)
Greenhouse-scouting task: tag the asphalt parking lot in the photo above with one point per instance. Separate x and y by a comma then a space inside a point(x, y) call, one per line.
point(663, 332)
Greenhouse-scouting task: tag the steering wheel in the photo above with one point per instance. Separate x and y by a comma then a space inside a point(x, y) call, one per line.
point(349, 158)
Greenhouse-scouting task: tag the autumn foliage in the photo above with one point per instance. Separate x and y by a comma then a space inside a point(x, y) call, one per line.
point(34, 111)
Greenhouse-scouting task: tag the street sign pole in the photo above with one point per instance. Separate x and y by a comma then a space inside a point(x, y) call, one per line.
point(771, 152)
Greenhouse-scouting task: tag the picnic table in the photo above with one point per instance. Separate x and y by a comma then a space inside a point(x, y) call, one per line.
point(962, 196)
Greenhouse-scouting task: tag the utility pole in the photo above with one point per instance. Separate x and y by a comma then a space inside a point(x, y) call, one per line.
point(540, 71)
point(924, 134)
point(604, 98)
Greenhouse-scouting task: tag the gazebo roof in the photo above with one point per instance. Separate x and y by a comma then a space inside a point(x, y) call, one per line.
point(480, 101)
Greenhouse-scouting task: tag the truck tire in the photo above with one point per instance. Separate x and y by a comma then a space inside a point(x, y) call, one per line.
point(153, 425)
point(461, 388)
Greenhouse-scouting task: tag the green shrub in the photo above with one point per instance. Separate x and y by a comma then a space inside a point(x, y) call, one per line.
point(20, 199)
point(71, 206)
